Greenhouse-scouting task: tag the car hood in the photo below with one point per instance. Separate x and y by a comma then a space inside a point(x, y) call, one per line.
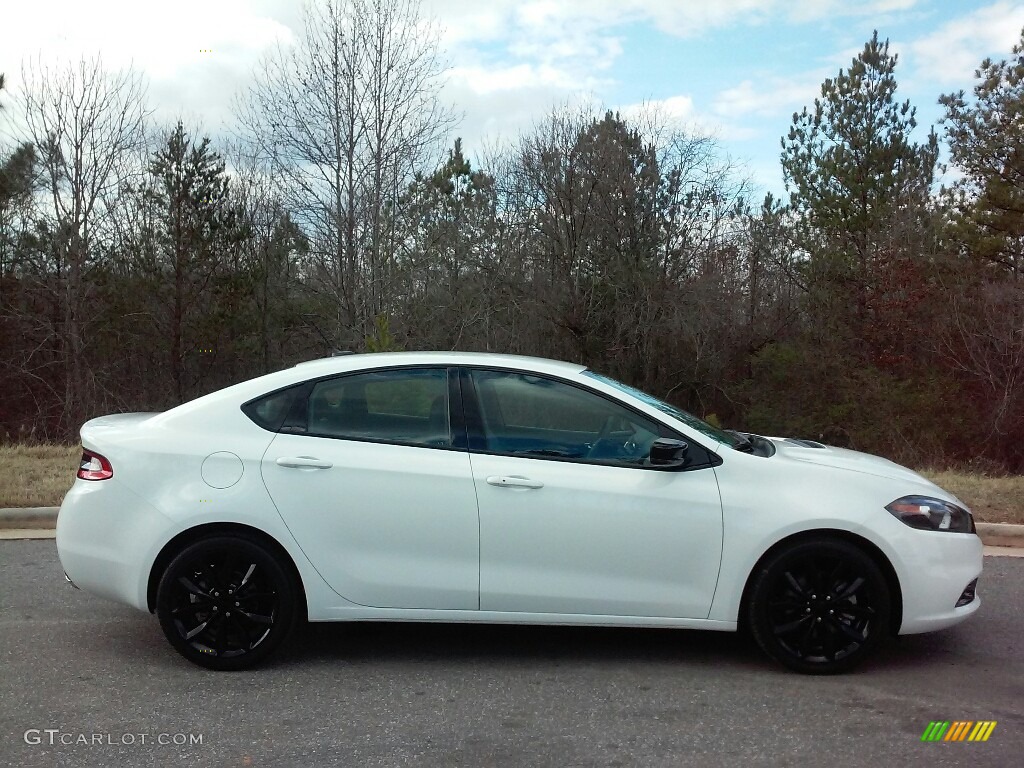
point(810, 452)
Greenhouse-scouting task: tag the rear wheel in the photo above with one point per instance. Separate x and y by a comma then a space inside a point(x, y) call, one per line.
point(819, 606)
point(226, 602)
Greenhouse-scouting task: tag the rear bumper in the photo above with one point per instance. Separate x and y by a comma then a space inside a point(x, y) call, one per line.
point(103, 536)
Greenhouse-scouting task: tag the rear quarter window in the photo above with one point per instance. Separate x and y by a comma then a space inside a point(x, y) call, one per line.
point(270, 411)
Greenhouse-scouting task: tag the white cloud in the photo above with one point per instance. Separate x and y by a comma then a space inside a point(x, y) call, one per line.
point(680, 112)
point(496, 19)
point(196, 54)
point(487, 80)
point(950, 55)
point(813, 10)
point(499, 118)
point(759, 109)
point(678, 108)
point(159, 38)
point(769, 97)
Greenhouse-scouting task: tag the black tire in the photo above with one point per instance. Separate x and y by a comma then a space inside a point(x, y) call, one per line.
point(226, 602)
point(819, 606)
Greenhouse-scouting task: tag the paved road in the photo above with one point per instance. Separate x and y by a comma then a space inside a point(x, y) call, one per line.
point(385, 695)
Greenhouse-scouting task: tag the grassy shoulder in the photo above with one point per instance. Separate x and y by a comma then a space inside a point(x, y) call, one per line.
point(36, 475)
point(991, 499)
point(40, 475)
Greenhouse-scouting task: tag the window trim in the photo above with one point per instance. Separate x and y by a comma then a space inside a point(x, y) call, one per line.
point(477, 438)
point(296, 421)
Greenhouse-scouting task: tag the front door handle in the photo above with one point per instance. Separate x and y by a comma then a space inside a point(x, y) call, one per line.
point(303, 462)
point(513, 481)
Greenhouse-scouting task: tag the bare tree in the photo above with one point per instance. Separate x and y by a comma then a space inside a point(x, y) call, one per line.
point(345, 116)
point(984, 340)
point(274, 255)
point(86, 124)
point(633, 227)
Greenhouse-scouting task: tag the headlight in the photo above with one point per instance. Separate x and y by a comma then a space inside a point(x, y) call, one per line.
point(932, 514)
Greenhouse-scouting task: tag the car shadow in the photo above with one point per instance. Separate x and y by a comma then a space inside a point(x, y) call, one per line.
point(384, 642)
point(376, 642)
point(932, 650)
point(313, 643)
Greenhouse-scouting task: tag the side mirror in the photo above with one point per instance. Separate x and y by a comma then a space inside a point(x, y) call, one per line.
point(667, 453)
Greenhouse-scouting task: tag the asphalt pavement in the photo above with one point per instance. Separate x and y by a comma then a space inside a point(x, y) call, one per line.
point(85, 682)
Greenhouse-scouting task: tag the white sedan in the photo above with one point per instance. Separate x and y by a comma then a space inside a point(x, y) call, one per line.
point(464, 487)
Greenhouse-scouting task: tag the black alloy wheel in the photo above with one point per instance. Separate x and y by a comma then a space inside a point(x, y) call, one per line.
point(820, 606)
point(226, 603)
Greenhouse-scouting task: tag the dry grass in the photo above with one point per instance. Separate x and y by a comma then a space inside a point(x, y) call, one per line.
point(991, 499)
point(40, 475)
point(36, 475)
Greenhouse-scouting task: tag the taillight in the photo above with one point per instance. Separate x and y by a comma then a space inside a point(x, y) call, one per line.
point(94, 467)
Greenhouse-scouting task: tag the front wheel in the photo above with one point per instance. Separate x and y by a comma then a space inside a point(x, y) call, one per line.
point(819, 606)
point(226, 603)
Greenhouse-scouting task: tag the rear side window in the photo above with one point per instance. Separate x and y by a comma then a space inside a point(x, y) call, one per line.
point(271, 411)
point(398, 406)
point(520, 400)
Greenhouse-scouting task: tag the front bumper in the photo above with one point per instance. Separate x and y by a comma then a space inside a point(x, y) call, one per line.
point(934, 569)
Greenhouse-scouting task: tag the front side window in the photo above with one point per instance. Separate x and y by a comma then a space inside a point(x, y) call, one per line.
point(398, 406)
point(688, 419)
point(526, 415)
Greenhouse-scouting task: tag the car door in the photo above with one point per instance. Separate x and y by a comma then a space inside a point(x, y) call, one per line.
point(371, 476)
point(573, 519)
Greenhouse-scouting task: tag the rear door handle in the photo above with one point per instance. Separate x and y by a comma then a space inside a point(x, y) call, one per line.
point(513, 481)
point(303, 462)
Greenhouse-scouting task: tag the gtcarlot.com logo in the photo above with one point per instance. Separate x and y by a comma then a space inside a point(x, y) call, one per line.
point(53, 737)
point(958, 730)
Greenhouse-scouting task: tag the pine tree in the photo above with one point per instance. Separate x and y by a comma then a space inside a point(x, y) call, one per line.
point(16, 171)
point(855, 177)
point(986, 143)
point(449, 221)
point(195, 223)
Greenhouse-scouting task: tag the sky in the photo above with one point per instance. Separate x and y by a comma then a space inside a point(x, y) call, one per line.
point(733, 69)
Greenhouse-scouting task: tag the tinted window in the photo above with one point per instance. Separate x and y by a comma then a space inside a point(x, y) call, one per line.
point(403, 406)
point(271, 410)
point(530, 415)
point(687, 418)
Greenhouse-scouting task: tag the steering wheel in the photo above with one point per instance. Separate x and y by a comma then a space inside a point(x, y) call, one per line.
point(606, 429)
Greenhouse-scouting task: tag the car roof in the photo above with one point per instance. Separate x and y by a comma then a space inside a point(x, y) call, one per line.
point(354, 362)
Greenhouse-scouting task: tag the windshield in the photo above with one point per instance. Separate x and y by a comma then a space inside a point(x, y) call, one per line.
point(678, 413)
